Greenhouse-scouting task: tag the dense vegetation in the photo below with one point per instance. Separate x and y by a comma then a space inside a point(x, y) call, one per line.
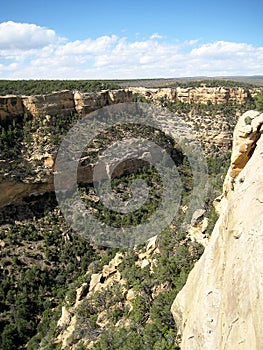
point(246, 83)
point(43, 260)
point(34, 87)
point(40, 256)
point(259, 101)
point(213, 83)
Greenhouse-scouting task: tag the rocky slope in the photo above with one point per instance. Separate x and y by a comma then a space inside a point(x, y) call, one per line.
point(221, 305)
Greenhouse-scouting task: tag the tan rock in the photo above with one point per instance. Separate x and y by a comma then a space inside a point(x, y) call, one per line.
point(65, 337)
point(130, 296)
point(81, 292)
point(120, 96)
point(152, 243)
point(112, 266)
point(65, 318)
point(221, 305)
point(56, 103)
point(91, 101)
point(145, 263)
point(246, 134)
point(201, 94)
point(49, 162)
point(95, 279)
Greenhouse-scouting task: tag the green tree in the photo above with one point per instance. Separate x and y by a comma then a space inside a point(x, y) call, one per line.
point(259, 101)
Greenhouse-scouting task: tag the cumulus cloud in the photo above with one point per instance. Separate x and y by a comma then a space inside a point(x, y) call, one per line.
point(30, 51)
point(24, 36)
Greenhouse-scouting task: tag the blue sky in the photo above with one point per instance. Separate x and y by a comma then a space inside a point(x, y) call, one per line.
point(134, 39)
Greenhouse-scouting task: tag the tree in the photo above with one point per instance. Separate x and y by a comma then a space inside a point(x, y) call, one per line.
point(259, 101)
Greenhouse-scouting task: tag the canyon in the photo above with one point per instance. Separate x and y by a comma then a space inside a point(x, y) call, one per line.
point(211, 131)
point(219, 307)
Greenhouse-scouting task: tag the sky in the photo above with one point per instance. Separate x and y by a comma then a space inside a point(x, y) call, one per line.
point(62, 39)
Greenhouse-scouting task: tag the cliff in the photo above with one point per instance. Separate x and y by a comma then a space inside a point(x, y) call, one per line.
point(67, 101)
point(221, 305)
point(203, 94)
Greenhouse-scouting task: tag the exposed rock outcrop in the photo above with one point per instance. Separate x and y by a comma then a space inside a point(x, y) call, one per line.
point(201, 94)
point(91, 101)
point(64, 102)
point(67, 101)
point(221, 305)
point(12, 191)
point(246, 134)
point(68, 325)
point(56, 103)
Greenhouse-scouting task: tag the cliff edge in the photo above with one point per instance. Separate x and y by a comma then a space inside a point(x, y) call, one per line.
point(221, 305)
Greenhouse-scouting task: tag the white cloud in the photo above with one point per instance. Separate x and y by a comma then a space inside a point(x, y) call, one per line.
point(96, 46)
point(219, 48)
point(156, 36)
point(24, 36)
point(30, 51)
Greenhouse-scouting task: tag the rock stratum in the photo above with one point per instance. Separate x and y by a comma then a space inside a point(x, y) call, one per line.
point(221, 305)
point(65, 102)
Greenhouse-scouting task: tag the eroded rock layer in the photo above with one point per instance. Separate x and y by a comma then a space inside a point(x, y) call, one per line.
point(66, 101)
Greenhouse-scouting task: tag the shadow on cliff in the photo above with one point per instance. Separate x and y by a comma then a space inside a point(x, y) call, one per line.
point(34, 206)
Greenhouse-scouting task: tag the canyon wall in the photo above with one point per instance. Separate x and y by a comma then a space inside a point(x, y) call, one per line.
point(66, 102)
point(210, 130)
point(221, 305)
point(201, 94)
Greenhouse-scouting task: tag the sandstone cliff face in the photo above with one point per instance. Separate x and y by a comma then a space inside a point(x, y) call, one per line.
point(12, 191)
point(61, 103)
point(88, 102)
point(201, 94)
point(221, 305)
point(66, 102)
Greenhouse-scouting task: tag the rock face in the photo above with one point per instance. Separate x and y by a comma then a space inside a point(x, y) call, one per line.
point(12, 191)
point(61, 103)
point(221, 305)
point(66, 101)
point(246, 134)
point(88, 102)
point(201, 94)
